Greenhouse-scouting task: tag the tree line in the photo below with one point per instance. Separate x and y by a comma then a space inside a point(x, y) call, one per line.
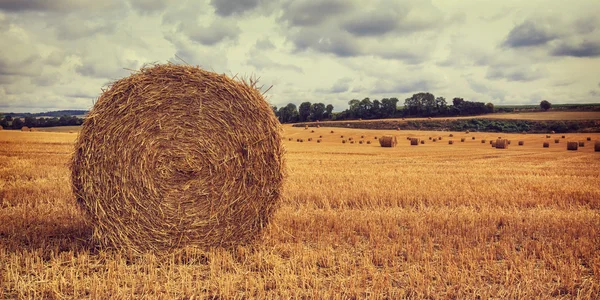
point(419, 105)
point(9, 122)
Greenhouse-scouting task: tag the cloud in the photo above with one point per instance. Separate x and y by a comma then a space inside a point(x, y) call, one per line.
point(529, 33)
point(313, 13)
point(217, 31)
point(227, 8)
point(583, 49)
point(524, 74)
point(62, 6)
point(335, 42)
point(148, 6)
point(372, 24)
point(342, 85)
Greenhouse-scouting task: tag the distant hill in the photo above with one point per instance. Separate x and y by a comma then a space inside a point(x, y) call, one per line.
point(57, 113)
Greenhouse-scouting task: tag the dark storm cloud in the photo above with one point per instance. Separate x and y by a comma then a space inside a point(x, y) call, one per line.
point(148, 6)
point(372, 25)
point(584, 49)
point(527, 34)
point(214, 33)
point(312, 13)
point(227, 8)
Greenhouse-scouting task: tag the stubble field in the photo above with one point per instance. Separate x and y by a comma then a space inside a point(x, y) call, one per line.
point(357, 220)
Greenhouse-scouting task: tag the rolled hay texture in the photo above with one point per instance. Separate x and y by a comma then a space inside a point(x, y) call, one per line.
point(546, 145)
point(521, 143)
point(597, 146)
point(581, 144)
point(388, 141)
point(502, 144)
point(572, 146)
point(175, 156)
point(24, 128)
point(414, 142)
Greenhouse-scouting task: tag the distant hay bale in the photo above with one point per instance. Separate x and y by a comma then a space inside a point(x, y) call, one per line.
point(450, 142)
point(331, 131)
point(351, 142)
point(483, 141)
point(547, 136)
point(289, 139)
point(422, 142)
point(414, 141)
point(319, 140)
point(563, 136)
point(312, 131)
point(368, 142)
point(309, 139)
point(350, 138)
point(597, 146)
point(473, 138)
point(521, 143)
point(491, 142)
point(556, 141)
point(581, 144)
point(318, 126)
point(588, 138)
point(374, 137)
point(388, 141)
point(1, 128)
point(572, 146)
point(341, 136)
point(508, 141)
point(360, 142)
point(305, 127)
point(467, 132)
point(343, 141)
point(546, 145)
point(320, 136)
point(408, 138)
point(297, 140)
point(439, 138)
point(430, 138)
point(462, 140)
point(451, 135)
point(301, 140)
point(362, 136)
point(397, 128)
point(434, 140)
point(71, 131)
point(175, 156)
point(25, 128)
point(502, 144)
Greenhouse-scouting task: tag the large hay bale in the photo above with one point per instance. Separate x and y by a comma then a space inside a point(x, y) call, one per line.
point(546, 145)
point(597, 146)
point(502, 144)
point(414, 141)
point(572, 146)
point(388, 141)
point(175, 156)
point(25, 128)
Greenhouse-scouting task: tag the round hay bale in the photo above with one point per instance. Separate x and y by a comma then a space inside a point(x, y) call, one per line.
point(508, 141)
point(483, 141)
point(25, 128)
point(343, 141)
point(1, 128)
point(439, 138)
point(493, 143)
point(434, 140)
point(467, 132)
point(331, 131)
point(155, 168)
point(546, 145)
point(563, 136)
point(451, 135)
point(450, 142)
point(502, 144)
point(318, 126)
point(360, 142)
point(581, 144)
point(422, 142)
point(462, 140)
point(368, 142)
point(397, 128)
point(408, 138)
point(320, 136)
point(312, 131)
point(414, 142)
point(350, 138)
point(473, 138)
point(430, 138)
point(319, 140)
point(388, 141)
point(351, 142)
point(588, 138)
point(556, 141)
point(289, 139)
point(547, 136)
point(597, 146)
point(572, 146)
point(375, 138)
point(309, 139)
point(362, 136)
point(305, 127)
point(521, 143)
point(301, 140)
point(341, 136)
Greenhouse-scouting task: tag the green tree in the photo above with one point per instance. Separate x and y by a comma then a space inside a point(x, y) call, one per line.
point(317, 110)
point(545, 105)
point(490, 107)
point(304, 111)
point(328, 111)
point(288, 113)
point(388, 107)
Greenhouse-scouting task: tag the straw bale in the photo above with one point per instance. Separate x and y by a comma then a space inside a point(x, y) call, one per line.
point(483, 141)
point(331, 131)
point(552, 132)
point(502, 144)
point(25, 128)
point(450, 142)
point(581, 144)
point(521, 143)
point(422, 142)
point(546, 145)
point(588, 138)
point(451, 135)
point(473, 138)
point(318, 140)
point(414, 141)
point(572, 146)
point(388, 141)
point(597, 146)
point(368, 142)
point(343, 141)
point(462, 140)
point(493, 143)
point(174, 156)
point(556, 141)
point(1, 127)
point(563, 136)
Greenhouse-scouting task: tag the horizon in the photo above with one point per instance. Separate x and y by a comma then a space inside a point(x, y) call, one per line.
point(508, 53)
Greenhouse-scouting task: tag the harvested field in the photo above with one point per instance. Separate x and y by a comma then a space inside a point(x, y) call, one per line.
point(466, 221)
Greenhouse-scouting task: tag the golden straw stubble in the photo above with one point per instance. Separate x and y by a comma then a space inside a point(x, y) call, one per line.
point(175, 156)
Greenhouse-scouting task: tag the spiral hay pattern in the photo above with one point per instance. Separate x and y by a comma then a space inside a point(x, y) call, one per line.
point(176, 156)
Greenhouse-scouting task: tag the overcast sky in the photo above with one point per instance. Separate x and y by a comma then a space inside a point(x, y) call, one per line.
point(59, 54)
